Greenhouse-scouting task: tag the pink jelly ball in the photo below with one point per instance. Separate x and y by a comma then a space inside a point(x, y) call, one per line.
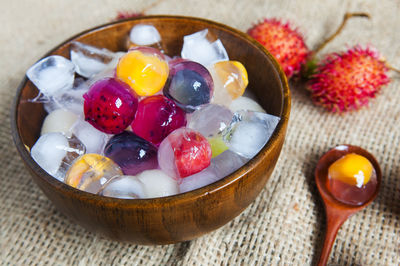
point(110, 105)
point(156, 117)
point(183, 153)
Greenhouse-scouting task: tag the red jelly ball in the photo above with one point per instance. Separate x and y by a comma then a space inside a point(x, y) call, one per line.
point(110, 105)
point(156, 117)
point(192, 151)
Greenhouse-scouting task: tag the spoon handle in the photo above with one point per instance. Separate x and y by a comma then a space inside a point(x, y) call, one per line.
point(334, 220)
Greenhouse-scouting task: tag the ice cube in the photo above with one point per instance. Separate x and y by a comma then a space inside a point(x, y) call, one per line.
point(50, 106)
point(142, 34)
point(249, 131)
point(52, 75)
point(59, 121)
point(158, 184)
point(123, 187)
point(70, 100)
point(166, 158)
point(75, 149)
point(49, 151)
point(201, 179)
point(221, 166)
point(227, 162)
point(202, 48)
point(54, 152)
point(210, 119)
point(93, 139)
point(89, 60)
point(245, 103)
point(108, 71)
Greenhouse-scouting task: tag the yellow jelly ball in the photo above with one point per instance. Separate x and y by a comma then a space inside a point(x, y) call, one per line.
point(352, 169)
point(146, 74)
point(234, 77)
point(89, 168)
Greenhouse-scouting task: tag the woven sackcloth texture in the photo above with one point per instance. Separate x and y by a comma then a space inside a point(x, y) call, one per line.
point(285, 223)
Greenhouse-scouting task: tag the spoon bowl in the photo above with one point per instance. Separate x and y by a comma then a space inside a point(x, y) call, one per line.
point(337, 212)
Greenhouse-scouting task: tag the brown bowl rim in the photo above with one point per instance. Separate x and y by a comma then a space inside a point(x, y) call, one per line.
point(149, 203)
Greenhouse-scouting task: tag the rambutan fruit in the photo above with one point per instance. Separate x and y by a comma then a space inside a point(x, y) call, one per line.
point(127, 14)
point(342, 81)
point(348, 80)
point(133, 14)
point(283, 42)
point(287, 45)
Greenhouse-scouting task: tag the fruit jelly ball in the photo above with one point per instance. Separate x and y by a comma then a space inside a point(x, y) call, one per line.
point(156, 117)
point(183, 153)
point(230, 81)
point(132, 153)
point(189, 84)
point(218, 145)
point(110, 105)
point(352, 169)
point(90, 171)
point(157, 184)
point(352, 179)
point(59, 120)
point(144, 69)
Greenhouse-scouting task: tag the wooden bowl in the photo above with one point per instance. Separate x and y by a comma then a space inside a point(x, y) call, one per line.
point(176, 218)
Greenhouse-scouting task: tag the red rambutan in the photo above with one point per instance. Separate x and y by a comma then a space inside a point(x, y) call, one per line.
point(346, 81)
point(134, 14)
point(283, 42)
point(128, 14)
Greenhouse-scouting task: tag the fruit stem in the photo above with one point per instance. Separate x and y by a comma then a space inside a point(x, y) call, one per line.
point(346, 17)
point(392, 67)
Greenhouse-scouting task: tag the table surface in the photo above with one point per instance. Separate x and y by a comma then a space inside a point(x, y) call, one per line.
point(285, 224)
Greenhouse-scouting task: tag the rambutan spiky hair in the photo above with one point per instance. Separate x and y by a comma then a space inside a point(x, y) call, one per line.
point(283, 42)
point(346, 81)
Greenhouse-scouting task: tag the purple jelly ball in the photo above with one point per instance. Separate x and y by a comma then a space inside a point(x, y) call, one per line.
point(189, 84)
point(132, 153)
point(110, 105)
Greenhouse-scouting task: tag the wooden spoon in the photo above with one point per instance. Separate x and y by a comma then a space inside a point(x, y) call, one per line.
point(337, 212)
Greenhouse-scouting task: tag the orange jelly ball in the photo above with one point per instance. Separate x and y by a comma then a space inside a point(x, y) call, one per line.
point(230, 81)
point(352, 179)
point(90, 171)
point(234, 75)
point(144, 70)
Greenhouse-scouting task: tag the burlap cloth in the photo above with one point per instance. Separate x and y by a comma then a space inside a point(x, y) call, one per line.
point(285, 224)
